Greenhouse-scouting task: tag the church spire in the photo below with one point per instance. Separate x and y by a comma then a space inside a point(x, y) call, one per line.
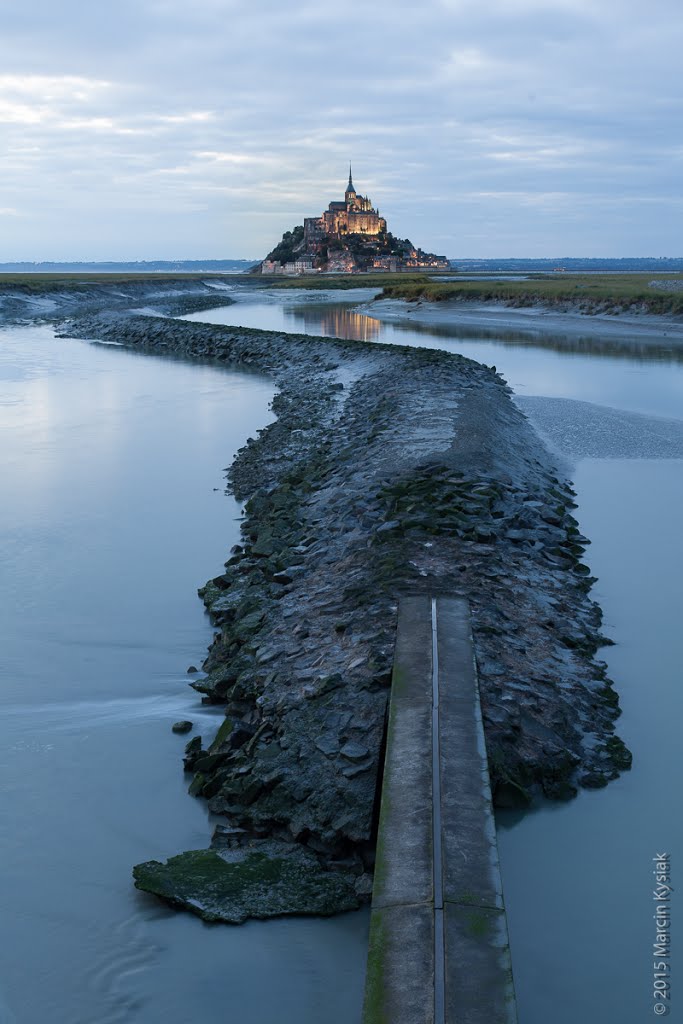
point(349, 187)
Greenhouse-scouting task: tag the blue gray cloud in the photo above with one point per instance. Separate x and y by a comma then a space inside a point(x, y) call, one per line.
point(162, 130)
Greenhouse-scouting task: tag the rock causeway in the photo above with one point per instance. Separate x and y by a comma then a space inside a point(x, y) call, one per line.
point(387, 472)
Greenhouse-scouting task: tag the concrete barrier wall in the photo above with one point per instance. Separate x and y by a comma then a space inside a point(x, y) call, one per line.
point(439, 950)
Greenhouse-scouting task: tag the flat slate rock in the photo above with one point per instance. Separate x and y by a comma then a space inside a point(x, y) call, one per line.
point(232, 886)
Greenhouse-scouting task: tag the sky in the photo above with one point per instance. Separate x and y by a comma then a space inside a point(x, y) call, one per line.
point(160, 129)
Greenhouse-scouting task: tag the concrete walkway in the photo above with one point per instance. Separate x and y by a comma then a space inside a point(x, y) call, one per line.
point(439, 949)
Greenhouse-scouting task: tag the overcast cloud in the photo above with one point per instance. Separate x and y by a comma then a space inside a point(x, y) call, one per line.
point(175, 130)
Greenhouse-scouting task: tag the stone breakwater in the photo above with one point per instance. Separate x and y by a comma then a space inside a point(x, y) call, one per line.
point(387, 471)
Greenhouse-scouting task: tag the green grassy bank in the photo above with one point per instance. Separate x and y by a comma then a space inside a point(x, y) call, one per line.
point(610, 293)
point(40, 283)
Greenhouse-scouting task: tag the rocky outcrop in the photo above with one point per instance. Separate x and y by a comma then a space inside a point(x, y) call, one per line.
point(232, 886)
point(387, 471)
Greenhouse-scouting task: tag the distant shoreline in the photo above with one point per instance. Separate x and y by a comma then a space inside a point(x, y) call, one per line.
point(126, 266)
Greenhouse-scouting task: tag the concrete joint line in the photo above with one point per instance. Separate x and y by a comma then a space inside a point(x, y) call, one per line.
point(437, 864)
point(481, 904)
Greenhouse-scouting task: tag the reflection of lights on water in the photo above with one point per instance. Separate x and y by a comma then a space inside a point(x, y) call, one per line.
point(339, 323)
point(343, 322)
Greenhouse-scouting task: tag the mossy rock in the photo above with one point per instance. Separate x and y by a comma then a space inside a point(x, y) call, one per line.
point(619, 754)
point(197, 784)
point(221, 886)
point(209, 593)
point(221, 736)
point(248, 625)
point(508, 793)
point(594, 780)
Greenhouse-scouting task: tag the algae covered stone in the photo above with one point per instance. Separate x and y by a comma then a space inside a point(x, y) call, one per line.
point(233, 886)
point(182, 726)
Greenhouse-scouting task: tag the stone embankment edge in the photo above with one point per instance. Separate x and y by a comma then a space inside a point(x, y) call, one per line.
point(439, 949)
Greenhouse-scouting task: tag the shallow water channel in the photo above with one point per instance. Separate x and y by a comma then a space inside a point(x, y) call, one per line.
point(113, 513)
point(578, 877)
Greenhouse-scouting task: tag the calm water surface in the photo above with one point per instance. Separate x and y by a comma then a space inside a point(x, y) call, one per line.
point(578, 876)
point(113, 513)
point(648, 384)
point(109, 522)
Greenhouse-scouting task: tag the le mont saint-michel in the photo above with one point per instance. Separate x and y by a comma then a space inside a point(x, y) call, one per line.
point(349, 237)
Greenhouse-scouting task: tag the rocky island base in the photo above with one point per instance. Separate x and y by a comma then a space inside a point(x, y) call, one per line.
point(388, 471)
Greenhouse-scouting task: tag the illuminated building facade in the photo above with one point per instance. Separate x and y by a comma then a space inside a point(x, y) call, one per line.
point(354, 216)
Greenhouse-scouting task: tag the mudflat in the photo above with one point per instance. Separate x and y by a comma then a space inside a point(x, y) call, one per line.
point(628, 328)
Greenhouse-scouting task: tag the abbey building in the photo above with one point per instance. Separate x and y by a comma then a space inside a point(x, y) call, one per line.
point(354, 216)
point(349, 236)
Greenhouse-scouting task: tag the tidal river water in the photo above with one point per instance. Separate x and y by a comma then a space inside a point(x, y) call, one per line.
point(112, 514)
point(578, 877)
